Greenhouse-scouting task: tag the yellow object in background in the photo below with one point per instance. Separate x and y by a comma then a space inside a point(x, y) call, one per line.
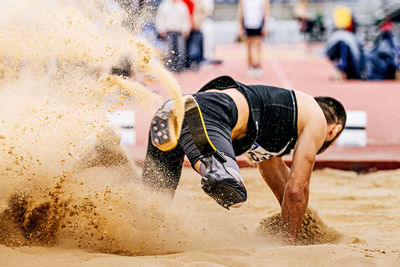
point(342, 17)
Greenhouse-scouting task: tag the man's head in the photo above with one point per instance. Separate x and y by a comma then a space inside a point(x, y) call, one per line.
point(335, 116)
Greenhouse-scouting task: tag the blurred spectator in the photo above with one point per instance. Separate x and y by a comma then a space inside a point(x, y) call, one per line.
point(173, 24)
point(300, 10)
point(382, 59)
point(344, 19)
point(312, 26)
point(195, 44)
point(207, 29)
point(252, 16)
point(352, 60)
point(190, 5)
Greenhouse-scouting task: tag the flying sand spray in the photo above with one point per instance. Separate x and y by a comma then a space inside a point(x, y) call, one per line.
point(55, 91)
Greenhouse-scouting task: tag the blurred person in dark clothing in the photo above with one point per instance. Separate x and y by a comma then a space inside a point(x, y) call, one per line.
point(352, 60)
point(173, 24)
point(312, 26)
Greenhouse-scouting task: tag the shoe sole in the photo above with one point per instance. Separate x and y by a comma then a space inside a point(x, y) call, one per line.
point(231, 196)
point(164, 130)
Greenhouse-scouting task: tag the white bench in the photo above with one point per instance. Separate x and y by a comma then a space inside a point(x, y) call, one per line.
point(354, 134)
point(124, 121)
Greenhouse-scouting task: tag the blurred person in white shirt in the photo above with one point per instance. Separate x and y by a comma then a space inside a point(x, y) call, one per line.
point(173, 24)
point(253, 16)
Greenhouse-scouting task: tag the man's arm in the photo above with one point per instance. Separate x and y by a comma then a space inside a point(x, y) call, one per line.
point(276, 174)
point(295, 197)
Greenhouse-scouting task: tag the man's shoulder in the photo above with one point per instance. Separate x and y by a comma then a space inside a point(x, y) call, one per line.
point(306, 100)
point(309, 112)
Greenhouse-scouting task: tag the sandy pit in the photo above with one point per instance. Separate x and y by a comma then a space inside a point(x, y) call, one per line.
point(358, 226)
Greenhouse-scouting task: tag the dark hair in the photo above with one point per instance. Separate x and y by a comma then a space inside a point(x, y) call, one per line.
point(333, 110)
point(334, 113)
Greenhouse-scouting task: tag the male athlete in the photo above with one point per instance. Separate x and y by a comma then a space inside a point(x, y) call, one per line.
point(227, 118)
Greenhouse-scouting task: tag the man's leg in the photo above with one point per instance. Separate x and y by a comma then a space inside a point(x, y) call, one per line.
point(220, 172)
point(180, 53)
point(162, 169)
point(258, 55)
point(249, 54)
point(172, 62)
point(209, 149)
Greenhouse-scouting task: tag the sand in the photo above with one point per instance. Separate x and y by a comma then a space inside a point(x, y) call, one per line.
point(361, 211)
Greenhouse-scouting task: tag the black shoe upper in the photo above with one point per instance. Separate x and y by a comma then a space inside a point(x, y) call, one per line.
point(221, 185)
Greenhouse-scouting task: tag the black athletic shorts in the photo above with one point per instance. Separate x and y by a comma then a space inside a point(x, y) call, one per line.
point(162, 169)
point(220, 116)
point(253, 32)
